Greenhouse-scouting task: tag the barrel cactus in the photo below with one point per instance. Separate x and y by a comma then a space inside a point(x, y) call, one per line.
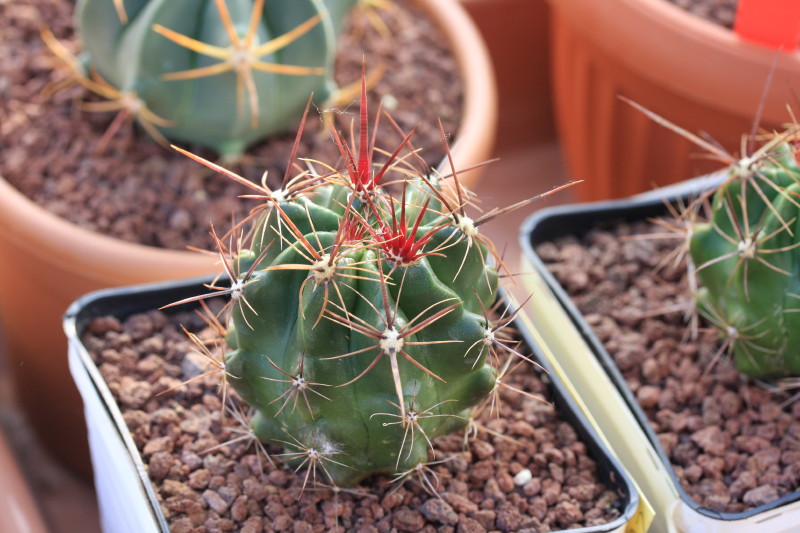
point(372, 333)
point(747, 260)
point(358, 324)
point(223, 74)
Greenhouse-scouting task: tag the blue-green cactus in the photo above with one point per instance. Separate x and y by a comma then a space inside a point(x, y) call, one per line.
point(223, 73)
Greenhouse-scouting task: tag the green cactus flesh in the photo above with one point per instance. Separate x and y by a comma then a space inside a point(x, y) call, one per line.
point(293, 320)
point(217, 110)
point(748, 263)
point(358, 321)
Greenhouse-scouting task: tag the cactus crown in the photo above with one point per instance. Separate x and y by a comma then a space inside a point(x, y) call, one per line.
point(223, 74)
point(358, 318)
point(747, 259)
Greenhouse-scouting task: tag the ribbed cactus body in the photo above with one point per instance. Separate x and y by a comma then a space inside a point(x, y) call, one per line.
point(754, 293)
point(285, 327)
point(209, 110)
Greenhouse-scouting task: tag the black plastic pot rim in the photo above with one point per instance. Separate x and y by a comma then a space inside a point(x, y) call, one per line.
point(125, 301)
point(553, 222)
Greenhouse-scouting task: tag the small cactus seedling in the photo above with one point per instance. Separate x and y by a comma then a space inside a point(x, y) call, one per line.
point(359, 330)
point(747, 260)
point(222, 74)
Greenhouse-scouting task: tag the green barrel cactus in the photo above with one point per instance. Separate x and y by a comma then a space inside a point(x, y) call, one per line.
point(223, 73)
point(747, 259)
point(354, 344)
point(358, 316)
point(358, 324)
point(378, 311)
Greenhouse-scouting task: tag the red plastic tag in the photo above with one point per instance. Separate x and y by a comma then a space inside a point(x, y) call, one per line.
point(773, 23)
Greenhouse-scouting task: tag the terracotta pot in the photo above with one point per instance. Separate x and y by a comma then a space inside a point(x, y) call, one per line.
point(476, 133)
point(696, 74)
point(517, 33)
point(46, 262)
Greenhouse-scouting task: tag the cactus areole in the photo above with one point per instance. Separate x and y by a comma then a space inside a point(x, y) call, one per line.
point(747, 258)
point(221, 73)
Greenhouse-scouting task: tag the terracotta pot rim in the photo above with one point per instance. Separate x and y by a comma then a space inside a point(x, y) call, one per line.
point(693, 56)
point(50, 238)
point(76, 249)
point(476, 130)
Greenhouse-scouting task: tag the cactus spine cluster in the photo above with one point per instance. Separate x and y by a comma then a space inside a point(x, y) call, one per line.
point(747, 259)
point(358, 318)
point(222, 73)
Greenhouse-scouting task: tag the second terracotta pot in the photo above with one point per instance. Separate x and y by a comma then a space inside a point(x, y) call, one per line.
point(694, 73)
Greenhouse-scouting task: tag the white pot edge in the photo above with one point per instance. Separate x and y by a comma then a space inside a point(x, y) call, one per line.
point(121, 495)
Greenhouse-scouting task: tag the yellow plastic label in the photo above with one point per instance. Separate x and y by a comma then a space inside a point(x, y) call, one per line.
point(645, 513)
point(640, 522)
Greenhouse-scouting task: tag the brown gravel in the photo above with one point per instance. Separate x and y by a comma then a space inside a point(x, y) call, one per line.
point(138, 191)
point(722, 12)
point(732, 442)
point(230, 488)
